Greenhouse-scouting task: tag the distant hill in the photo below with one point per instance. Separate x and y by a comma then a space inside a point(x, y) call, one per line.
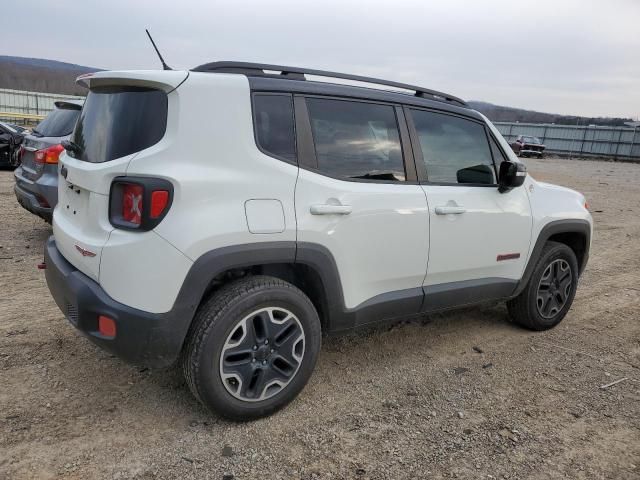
point(40, 75)
point(51, 76)
point(497, 113)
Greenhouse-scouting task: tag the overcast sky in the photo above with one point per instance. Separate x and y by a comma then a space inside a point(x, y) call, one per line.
point(560, 56)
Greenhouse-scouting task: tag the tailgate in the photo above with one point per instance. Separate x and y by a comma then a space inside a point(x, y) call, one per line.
point(80, 223)
point(125, 113)
point(31, 170)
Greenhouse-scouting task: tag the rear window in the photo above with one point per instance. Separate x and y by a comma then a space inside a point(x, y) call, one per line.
point(119, 121)
point(59, 123)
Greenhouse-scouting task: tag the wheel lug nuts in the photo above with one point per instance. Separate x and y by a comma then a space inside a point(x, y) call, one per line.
point(264, 362)
point(272, 350)
point(266, 342)
point(255, 347)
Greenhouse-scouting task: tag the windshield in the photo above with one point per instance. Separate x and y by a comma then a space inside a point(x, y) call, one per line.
point(17, 128)
point(59, 123)
point(119, 121)
point(8, 127)
point(531, 140)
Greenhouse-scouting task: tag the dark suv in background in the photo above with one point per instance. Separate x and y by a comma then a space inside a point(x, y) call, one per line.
point(37, 177)
point(525, 145)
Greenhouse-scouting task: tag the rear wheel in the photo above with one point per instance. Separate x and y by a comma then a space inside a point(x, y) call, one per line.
point(549, 294)
point(253, 347)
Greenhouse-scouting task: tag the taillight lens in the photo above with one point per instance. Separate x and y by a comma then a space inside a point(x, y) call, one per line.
point(139, 203)
point(132, 203)
point(159, 201)
point(49, 155)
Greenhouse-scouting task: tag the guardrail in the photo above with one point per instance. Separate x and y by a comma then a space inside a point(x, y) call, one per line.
point(22, 116)
point(28, 108)
point(621, 143)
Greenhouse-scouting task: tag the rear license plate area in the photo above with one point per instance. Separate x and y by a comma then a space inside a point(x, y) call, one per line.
point(75, 200)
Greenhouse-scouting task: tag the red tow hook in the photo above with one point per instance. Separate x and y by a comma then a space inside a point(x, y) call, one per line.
point(42, 266)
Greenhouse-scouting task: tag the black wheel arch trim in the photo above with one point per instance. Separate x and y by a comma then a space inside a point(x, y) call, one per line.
point(552, 228)
point(386, 306)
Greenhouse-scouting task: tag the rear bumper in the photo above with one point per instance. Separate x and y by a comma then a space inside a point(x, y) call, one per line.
point(29, 201)
point(38, 196)
point(142, 338)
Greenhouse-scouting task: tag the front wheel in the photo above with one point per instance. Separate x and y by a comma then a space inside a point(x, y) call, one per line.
point(550, 291)
point(253, 347)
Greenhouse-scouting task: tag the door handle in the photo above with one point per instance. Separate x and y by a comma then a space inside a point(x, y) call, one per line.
point(450, 210)
point(328, 209)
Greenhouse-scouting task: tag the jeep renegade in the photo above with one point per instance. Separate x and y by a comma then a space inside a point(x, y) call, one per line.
point(227, 216)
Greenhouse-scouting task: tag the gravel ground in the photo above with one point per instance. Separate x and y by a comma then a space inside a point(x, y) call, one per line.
point(459, 395)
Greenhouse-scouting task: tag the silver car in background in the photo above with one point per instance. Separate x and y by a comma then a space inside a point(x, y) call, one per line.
point(37, 177)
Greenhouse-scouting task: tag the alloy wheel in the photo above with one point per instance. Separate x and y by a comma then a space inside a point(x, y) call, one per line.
point(262, 354)
point(554, 288)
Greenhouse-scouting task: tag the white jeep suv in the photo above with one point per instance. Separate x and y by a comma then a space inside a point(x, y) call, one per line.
point(226, 216)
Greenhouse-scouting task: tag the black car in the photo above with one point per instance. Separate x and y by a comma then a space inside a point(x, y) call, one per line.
point(10, 142)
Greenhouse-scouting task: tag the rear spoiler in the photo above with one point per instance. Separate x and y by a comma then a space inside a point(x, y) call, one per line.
point(166, 80)
point(69, 104)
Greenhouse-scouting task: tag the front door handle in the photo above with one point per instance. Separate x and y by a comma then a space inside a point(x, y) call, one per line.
point(450, 210)
point(328, 209)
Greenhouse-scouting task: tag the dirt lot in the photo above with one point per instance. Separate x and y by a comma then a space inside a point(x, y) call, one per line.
point(461, 395)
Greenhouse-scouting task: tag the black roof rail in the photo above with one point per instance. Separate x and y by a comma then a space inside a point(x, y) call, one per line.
point(297, 73)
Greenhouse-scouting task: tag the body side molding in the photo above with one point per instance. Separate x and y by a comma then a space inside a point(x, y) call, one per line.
point(467, 292)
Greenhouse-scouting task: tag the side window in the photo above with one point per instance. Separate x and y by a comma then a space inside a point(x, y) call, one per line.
point(274, 125)
point(356, 140)
point(454, 150)
point(498, 156)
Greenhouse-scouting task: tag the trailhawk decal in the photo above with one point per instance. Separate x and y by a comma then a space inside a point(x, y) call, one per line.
point(507, 256)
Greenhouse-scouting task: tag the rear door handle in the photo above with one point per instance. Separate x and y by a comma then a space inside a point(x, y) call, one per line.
point(328, 209)
point(450, 210)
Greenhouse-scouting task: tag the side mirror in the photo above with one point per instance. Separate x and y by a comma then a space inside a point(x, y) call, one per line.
point(511, 175)
point(5, 138)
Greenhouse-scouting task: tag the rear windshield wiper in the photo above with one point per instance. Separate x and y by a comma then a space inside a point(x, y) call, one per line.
point(71, 147)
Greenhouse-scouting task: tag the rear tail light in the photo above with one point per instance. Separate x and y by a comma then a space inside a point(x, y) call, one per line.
point(132, 203)
point(49, 155)
point(139, 203)
point(159, 201)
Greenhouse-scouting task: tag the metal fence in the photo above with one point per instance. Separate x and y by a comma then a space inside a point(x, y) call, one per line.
point(27, 108)
point(579, 141)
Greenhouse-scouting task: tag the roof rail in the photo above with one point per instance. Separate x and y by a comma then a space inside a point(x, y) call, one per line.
point(297, 73)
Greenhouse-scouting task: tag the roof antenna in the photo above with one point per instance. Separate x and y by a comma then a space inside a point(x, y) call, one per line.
point(164, 65)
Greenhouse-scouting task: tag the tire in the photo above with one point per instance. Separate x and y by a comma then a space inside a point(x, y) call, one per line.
point(547, 298)
point(252, 348)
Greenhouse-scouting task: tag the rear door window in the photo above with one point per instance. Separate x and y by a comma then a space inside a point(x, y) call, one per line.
point(274, 125)
point(454, 150)
point(118, 121)
point(356, 140)
point(59, 123)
